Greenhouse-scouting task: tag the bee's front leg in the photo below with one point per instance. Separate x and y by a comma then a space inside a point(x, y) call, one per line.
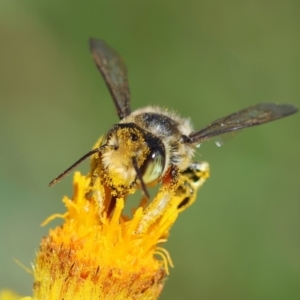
point(98, 190)
point(178, 191)
point(162, 200)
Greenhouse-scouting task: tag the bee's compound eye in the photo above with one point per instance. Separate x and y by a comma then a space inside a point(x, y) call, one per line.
point(153, 166)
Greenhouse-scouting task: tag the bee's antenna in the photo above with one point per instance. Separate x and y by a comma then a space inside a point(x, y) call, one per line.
point(140, 178)
point(64, 173)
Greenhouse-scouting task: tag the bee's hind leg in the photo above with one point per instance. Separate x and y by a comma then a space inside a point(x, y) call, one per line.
point(191, 179)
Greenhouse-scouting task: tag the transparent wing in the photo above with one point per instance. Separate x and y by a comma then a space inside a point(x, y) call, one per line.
point(114, 72)
point(251, 116)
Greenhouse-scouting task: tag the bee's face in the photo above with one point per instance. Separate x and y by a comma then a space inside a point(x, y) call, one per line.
point(129, 151)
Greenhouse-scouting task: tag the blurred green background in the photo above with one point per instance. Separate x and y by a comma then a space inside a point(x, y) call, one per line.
point(205, 59)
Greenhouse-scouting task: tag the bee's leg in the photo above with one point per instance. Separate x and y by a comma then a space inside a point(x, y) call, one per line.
point(191, 180)
point(161, 201)
point(97, 190)
point(179, 190)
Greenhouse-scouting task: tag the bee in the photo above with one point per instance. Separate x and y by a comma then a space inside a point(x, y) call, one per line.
point(152, 145)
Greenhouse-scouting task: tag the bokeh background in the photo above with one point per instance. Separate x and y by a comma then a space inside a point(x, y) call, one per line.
point(205, 59)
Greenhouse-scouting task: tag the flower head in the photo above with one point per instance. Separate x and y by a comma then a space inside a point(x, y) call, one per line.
point(99, 256)
point(100, 253)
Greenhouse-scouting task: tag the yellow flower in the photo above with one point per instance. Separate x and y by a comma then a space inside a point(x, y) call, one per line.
point(98, 256)
point(102, 254)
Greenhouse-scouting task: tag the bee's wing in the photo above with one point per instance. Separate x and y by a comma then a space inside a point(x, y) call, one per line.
point(251, 116)
point(114, 72)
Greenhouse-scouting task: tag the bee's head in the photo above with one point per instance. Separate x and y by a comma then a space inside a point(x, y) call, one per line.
point(130, 153)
